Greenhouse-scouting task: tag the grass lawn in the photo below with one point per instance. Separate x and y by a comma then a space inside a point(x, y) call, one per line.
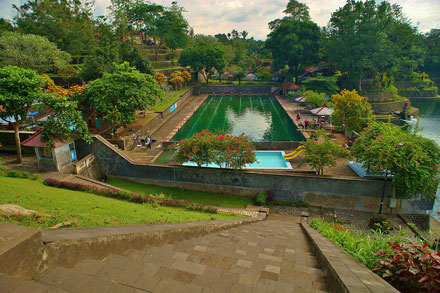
point(167, 101)
point(198, 197)
point(86, 209)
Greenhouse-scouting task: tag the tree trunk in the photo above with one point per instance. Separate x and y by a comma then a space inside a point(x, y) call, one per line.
point(17, 142)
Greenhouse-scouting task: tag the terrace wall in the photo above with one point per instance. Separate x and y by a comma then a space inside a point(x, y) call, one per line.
point(234, 90)
point(328, 192)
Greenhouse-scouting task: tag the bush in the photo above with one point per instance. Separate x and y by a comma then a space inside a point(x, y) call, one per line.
point(25, 174)
point(270, 196)
point(379, 223)
point(35, 176)
point(410, 267)
point(261, 198)
point(13, 173)
point(130, 196)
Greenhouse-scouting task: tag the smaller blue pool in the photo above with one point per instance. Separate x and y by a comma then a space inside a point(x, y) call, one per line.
point(265, 160)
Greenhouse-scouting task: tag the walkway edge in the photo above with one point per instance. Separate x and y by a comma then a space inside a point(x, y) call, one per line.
point(66, 247)
point(344, 273)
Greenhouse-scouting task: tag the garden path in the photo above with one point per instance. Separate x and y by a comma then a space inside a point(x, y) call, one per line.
point(266, 256)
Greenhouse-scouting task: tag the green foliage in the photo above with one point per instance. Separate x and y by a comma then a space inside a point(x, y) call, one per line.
point(295, 11)
point(362, 247)
point(432, 44)
point(227, 151)
point(412, 160)
point(264, 74)
point(135, 57)
point(321, 84)
point(238, 71)
point(31, 52)
point(5, 26)
point(203, 58)
point(294, 43)
point(19, 88)
point(261, 198)
point(68, 23)
point(125, 91)
point(315, 98)
point(99, 60)
point(322, 152)
point(351, 110)
point(378, 222)
point(21, 174)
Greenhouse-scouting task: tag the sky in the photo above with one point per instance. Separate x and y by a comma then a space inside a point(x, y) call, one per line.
point(221, 16)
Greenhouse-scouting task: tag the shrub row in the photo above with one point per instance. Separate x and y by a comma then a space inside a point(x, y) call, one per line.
point(130, 196)
point(22, 174)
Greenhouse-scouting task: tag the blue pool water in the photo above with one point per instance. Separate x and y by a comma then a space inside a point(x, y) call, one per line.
point(265, 160)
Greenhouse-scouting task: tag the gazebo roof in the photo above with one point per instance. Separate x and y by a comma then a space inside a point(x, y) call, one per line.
point(35, 141)
point(289, 85)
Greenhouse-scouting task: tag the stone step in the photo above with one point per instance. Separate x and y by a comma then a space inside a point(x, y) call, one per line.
point(13, 284)
point(267, 256)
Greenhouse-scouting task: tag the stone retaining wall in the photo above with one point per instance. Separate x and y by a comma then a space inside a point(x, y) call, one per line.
point(285, 185)
point(344, 273)
point(377, 96)
point(259, 145)
point(388, 107)
point(234, 89)
point(418, 93)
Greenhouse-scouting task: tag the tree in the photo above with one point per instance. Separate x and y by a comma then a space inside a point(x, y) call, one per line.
point(432, 43)
point(186, 76)
point(238, 72)
point(19, 88)
point(135, 57)
point(203, 58)
point(125, 89)
point(358, 39)
point(264, 74)
point(315, 98)
point(294, 43)
point(64, 121)
point(351, 110)
point(67, 73)
point(176, 79)
point(32, 52)
point(295, 11)
point(244, 34)
point(322, 152)
point(100, 60)
point(67, 23)
point(5, 26)
point(160, 78)
point(411, 160)
point(321, 84)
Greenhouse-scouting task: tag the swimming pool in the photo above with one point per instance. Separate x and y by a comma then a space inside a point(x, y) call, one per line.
point(258, 116)
point(265, 160)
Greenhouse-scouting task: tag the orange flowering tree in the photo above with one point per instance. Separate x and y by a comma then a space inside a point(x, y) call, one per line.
point(225, 150)
point(186, 76)
point(160, 78)
point(322, 152)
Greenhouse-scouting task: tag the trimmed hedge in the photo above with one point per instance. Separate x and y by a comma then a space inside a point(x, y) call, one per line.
point(130, 196)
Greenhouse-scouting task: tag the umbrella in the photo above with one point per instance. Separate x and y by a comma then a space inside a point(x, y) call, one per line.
point(322, 111)
point(301, 99)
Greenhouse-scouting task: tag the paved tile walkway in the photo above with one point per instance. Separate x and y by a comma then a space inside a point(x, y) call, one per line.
point(267, 256)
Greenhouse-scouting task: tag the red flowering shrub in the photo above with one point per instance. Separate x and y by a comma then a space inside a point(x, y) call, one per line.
point(410, 267)
point(225, 150)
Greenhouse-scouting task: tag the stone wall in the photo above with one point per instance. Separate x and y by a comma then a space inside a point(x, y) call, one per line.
point(286, 186)
point(375, 96)
point(388, 107)
point(418, 93)
point(259, 145)
point(409, 84)
point(234, 90)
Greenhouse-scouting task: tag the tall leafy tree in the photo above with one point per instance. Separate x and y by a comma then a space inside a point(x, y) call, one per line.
point(432, 43)
point(203, 58)
point(5, 26)
point(19, 88)
point(358, 39)
point(295, 11)
point(294, 43)
point(121, 93)
point(31, 51)
point(67, 23)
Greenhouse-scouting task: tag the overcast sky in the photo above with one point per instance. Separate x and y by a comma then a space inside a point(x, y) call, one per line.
point(221, 16)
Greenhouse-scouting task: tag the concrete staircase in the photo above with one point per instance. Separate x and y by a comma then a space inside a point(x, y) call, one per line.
point(267, 256)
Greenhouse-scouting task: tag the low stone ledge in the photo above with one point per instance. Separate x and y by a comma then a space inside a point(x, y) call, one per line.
point(21, 250)
point(344, 272)
point(66, 247)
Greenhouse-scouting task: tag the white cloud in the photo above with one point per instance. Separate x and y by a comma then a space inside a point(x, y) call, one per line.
point(221, 16)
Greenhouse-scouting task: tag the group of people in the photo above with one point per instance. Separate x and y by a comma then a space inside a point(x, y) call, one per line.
point(309, 124)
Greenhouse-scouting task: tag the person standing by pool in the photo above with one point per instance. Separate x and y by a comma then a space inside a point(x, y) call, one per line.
point(298, 116)
point(149, 142)
point(306, 123)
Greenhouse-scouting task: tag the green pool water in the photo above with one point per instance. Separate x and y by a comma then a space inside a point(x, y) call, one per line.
point(260, 117)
